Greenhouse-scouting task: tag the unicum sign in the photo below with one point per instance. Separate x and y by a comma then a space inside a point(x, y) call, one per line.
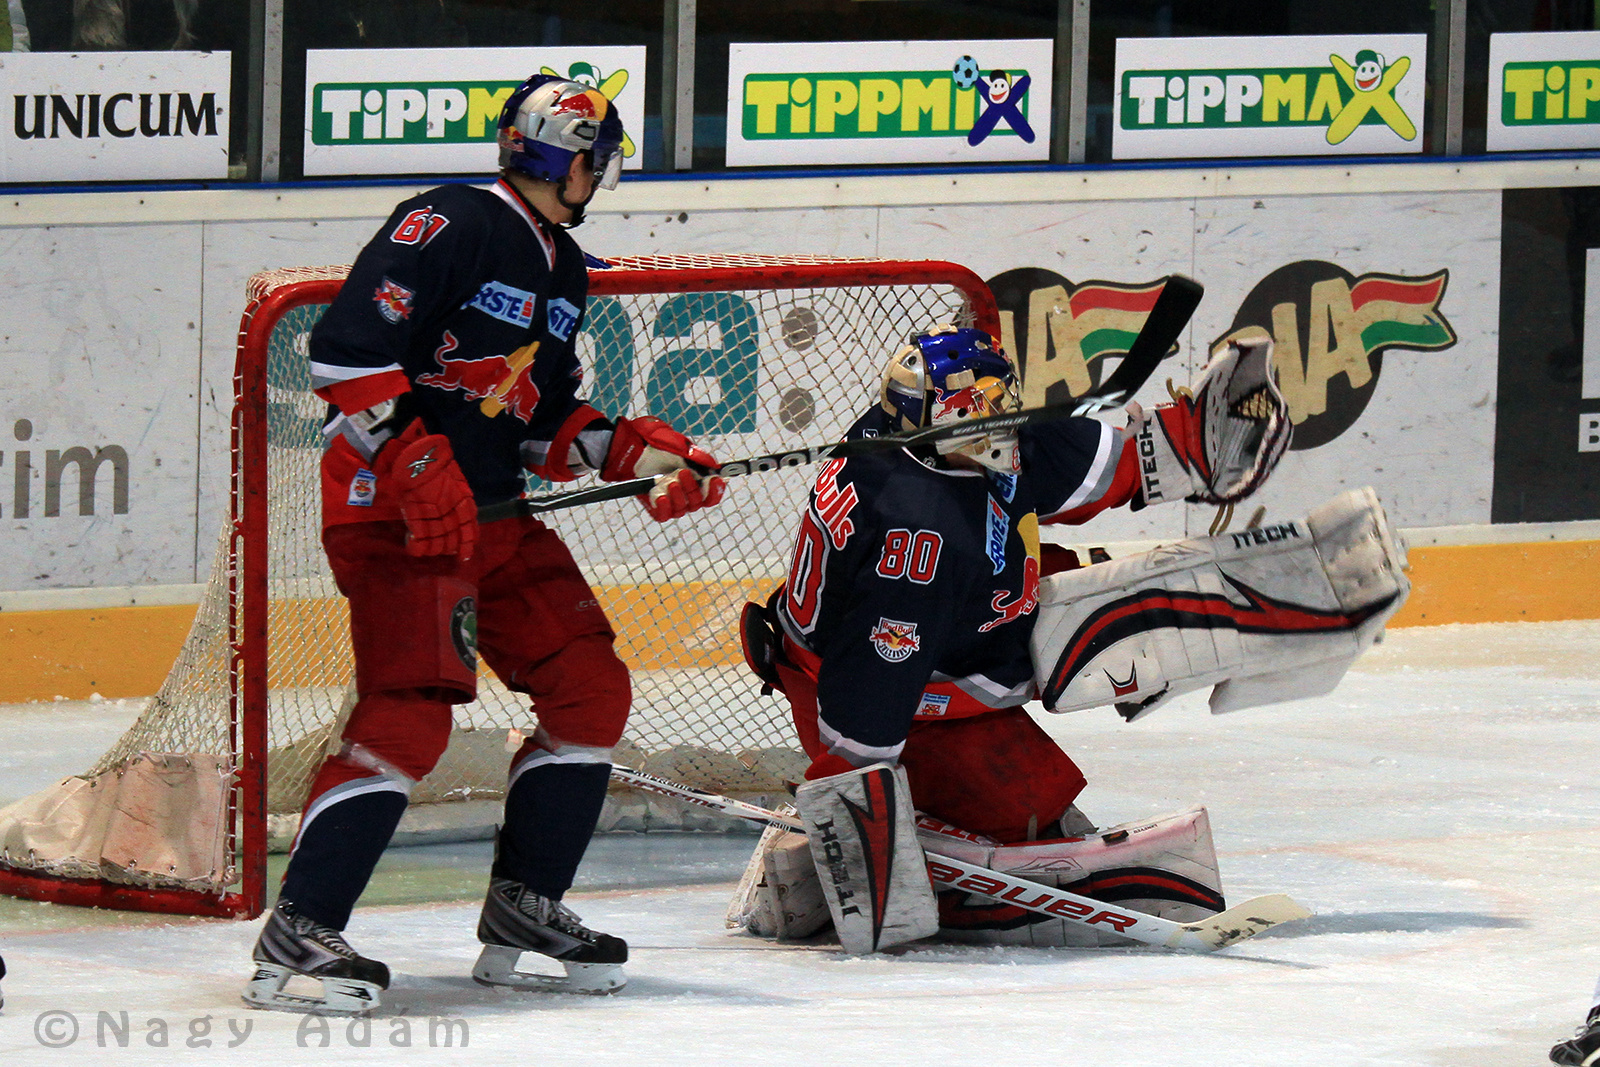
point(115, 115)
point(1269, 96)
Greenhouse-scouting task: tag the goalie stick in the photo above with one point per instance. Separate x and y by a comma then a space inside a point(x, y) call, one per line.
point(1173, 308)
point(1219, 931)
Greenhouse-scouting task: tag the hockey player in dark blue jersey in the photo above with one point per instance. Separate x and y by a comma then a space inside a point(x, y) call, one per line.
point(902, 635)
point(448, 362)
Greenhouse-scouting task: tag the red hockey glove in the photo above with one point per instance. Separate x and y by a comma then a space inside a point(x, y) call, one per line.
point(435, 500)
point(646, 447)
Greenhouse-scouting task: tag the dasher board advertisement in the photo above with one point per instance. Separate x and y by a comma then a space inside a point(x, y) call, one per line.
point(435, 110)
point(888, 102)
point(1544, 91)
point(1269, 96)
point(114, 116)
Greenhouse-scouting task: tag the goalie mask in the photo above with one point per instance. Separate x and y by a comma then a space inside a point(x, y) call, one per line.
point(950, 374)
point(547, 120)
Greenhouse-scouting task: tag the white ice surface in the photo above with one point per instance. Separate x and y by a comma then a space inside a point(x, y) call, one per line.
point(1439, 813)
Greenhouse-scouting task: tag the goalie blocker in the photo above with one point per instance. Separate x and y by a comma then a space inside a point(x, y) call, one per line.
point(1265, 615)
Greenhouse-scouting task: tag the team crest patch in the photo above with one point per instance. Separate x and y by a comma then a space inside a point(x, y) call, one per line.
point(502, 302)
point(999, 528)
point(561, 317)
point(362, 489)
point(393, 300)
point(894, 640)
point(464, 631)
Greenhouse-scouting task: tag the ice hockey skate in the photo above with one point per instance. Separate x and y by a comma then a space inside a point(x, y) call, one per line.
point(516, 920)
point(291, 946)
point(1583, 1048)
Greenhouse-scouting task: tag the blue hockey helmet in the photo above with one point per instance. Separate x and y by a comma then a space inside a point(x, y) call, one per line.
point(547, 120)
point(951, 373)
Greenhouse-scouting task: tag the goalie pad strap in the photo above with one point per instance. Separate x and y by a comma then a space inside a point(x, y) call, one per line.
point(864, 841)
point(1265, 615)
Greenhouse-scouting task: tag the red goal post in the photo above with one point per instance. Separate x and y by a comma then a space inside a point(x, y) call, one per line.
point(748, 354)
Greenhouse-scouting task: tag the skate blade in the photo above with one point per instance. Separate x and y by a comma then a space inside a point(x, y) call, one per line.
point(497, 966)
point(340, 996)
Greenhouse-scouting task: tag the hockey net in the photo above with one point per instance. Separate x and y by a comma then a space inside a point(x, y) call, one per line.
point(746, 354)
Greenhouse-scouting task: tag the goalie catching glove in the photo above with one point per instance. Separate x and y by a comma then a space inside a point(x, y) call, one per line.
point(647, 447)
point(435, 500)
point(1219, 445)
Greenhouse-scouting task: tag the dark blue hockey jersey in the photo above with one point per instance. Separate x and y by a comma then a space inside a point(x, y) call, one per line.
point(912, 591)
point(472, 301)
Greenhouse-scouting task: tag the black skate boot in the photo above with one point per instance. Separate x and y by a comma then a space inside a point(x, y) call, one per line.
point(516, 920)
point(1583, 1049)
point(292, 945)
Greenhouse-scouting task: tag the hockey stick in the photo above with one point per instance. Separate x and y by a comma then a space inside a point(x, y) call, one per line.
point(1207, 935)
point(1171, 313)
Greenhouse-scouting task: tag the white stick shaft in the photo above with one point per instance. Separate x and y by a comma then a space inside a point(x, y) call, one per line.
point(1235, 924)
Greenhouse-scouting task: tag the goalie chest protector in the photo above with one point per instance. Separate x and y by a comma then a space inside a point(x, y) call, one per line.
point(919, 585)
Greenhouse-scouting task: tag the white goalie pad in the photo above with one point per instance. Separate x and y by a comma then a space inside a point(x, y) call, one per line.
point(1266, 615)
point(780, 895)
point(1165, 866)
point(862, 835)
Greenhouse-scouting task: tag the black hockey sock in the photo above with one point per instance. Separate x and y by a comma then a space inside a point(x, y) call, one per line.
point(337, 852)
point(551, 812)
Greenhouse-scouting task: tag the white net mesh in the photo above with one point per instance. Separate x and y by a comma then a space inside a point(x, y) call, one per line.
point(749, 368)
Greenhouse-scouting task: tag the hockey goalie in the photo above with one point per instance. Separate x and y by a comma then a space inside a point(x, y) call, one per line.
point(915, 625)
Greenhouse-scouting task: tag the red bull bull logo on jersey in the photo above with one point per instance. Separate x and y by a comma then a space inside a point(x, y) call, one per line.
point(894, 640)
point(501, 382)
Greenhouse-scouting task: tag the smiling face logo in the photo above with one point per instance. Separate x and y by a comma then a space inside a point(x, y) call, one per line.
point(999, 86)
point(1369, 68)
point(1373, 84)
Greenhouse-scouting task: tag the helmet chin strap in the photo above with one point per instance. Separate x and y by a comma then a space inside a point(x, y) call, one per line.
point(577, 209)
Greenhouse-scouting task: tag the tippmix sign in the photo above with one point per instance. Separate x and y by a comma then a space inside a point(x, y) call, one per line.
point(1269, 96)
point(115, 116)
point(888, 102)
point(434, 110)
point(1544, 91)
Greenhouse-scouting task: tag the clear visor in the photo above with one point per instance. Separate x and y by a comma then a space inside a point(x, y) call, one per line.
point(608, 166)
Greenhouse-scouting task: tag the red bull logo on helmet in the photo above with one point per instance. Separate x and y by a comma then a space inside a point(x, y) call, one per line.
point(589, 104)
point(895, 640)
point(502, 383)
point(959, 402)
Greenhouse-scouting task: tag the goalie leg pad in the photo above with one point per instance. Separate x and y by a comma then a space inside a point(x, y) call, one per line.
point(1265, 615)
point(780, 895)
point(1166, 866)
point(874, 876)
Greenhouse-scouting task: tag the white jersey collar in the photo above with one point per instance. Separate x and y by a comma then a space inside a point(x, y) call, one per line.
point(535, 221)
